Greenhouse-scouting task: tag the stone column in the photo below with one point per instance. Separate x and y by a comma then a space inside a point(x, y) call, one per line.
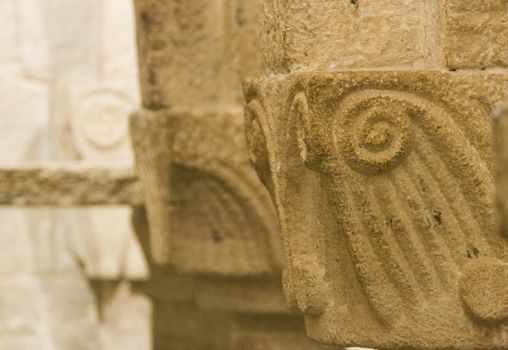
point(214, 244)
point(372, 131)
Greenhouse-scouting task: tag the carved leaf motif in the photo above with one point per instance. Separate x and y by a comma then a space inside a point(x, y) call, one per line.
point(414, 198)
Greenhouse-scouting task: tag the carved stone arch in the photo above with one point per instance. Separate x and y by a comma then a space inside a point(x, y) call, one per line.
point(217, 207)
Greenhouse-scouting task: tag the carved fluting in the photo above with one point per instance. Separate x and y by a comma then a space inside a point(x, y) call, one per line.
point(152, 153)
point(385, 192)
point(212, 181)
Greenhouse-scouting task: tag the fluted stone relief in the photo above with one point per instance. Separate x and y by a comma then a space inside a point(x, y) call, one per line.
point(207, 177)
point(212, 226)
point(384, 186)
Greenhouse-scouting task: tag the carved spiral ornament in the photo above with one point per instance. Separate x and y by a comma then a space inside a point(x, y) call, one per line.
point(375, 130)
point(100, 124)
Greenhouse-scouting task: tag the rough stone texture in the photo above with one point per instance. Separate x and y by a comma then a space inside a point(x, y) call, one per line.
point(195, 156)
point(193, 55)
point(500, 131)
point(213, 231)
point(213, 311)
point(384, 185)
point(66, 185)
point(476, 33)
point(218, 210)
point(344, 34)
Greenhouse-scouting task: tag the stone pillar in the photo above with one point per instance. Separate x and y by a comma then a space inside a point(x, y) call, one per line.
point(214, 244)
point(372, 131)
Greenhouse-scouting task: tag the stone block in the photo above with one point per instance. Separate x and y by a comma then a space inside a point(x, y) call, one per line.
point(118, 39)
point(333, 35)
point(68, 184)
point(72, 316)
point(476, 33)
point(20, 306)
point(23, 125)
point(8, 45)
point(32, 40)
point(73, 39)
point(209, 202)
point(384, 185)
point(195, 53)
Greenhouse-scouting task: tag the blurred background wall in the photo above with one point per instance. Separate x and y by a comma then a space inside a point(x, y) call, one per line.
point(68, 79)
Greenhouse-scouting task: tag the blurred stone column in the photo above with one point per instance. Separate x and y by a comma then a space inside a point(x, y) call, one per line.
point(213, 239)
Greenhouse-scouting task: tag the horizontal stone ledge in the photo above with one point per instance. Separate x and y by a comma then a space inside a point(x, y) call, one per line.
point(72, 184)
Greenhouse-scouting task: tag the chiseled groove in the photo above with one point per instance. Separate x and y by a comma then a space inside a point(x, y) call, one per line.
point(199, 245)
point(372, 277)
point(243, 235)
point(258, 210)
point(217, 209)
point(441, 257)
point(409, 243)
point(240, 252)
point(460, 152)
point(454, 194)
point(455, 238)
point(155, 202)
point(246, 180)
point(393, 258)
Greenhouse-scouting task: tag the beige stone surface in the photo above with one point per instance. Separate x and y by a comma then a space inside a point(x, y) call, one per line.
point(213, 311)
point(476, 33)
point(500, 115)
point(99, 119)
point(203, 195)
point(47, 49)
point(213, 243)
point(182, 324)
point(384, 185)
point(71, 184)
point(327, 35)
point(193, 54)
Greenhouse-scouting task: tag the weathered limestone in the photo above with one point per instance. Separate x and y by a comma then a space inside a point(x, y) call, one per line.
point(47, 49)
point(383, 180)
point(308, 35)
point(99, 119)
point(189, 140)
point(68, 184)
point(219, 211)
point(214, 241)
point(385, 193)
point(211, 311)
point(476, 33)
point(501, 146)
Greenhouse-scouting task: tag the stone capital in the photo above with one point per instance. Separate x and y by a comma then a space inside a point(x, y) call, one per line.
point(384, 187)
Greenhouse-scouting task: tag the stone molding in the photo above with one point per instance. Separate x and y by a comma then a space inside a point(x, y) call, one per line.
point(198, 163)
point(59, 184)
point(384, 186)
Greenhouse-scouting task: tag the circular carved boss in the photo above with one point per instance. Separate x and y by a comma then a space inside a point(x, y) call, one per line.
point(374, 130)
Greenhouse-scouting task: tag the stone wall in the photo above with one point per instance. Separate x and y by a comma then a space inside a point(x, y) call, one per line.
point(68, 79)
